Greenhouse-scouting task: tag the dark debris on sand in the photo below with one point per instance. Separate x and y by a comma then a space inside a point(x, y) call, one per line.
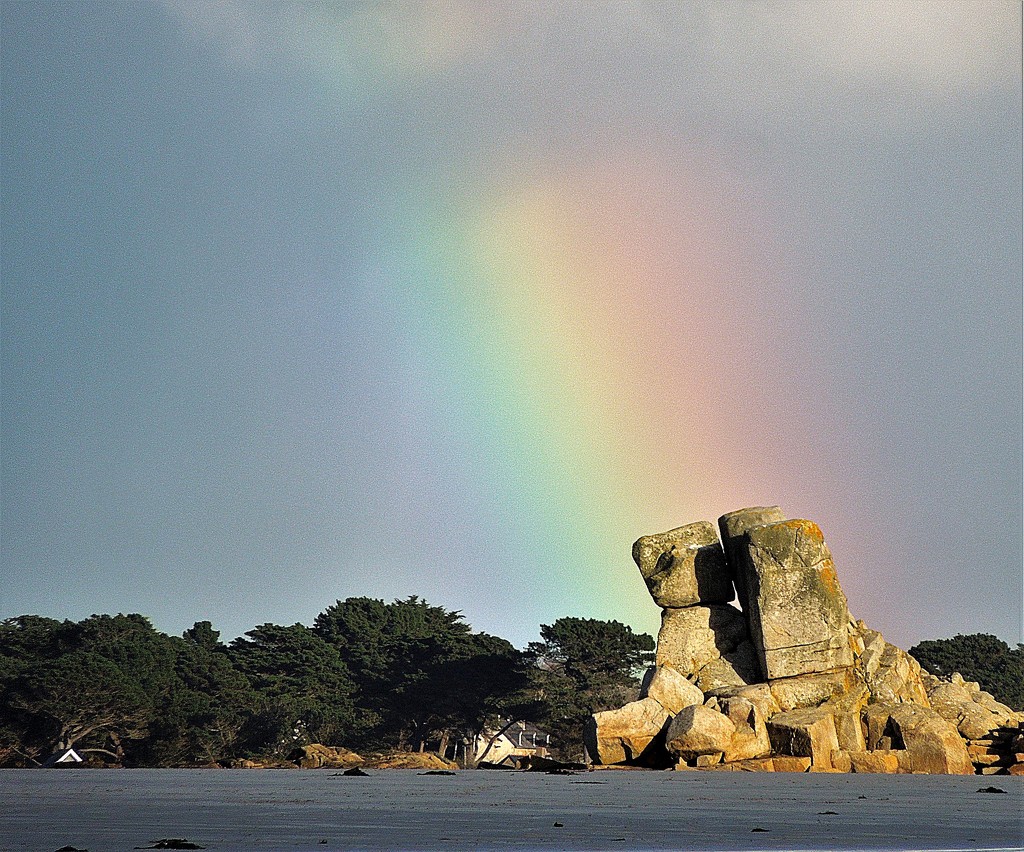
point(546, 764)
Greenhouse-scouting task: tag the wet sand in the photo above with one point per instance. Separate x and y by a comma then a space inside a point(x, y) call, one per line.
point(104, 810)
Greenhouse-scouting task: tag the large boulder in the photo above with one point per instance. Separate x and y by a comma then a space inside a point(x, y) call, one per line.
point(975, 722)
point(738, 667)
point(890, 673)
point(733, 527)
point(933, 744)
point(684, 566)
point(631, 734)
point(750, 739)
point(758, 694)
point(810, 732)
point(788, 763)
point(967, 706)
point(798, 615)
point(812, 690)
point(1006, 715)
point(879, 732)
point(694, 636)
point(697, 731)
point(670, 689)
point(849, 730)
point(885, 762)
point(955, 703)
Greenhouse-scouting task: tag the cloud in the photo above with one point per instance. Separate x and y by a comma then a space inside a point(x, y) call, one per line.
point(358, 42)
point(945, 48)
point(939, 46)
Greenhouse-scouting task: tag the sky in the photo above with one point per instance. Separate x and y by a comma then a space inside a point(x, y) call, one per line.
point(304, 301)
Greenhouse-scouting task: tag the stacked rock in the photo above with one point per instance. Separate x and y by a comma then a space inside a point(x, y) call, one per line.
point(787, 681)
point(994, 732)
point(701, 636)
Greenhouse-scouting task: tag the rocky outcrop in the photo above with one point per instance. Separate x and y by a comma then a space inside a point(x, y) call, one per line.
point(993, 732)
point(409, 760)
point(698, 731)
point(810, 732)
point(734, 526)
point(932, 744)
point(710, 644)
point(750, 738)
point(633, 733)
point(317, 756)
point(787, 681)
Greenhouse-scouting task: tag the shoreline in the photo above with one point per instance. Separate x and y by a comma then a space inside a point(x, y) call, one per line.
point(404, 809)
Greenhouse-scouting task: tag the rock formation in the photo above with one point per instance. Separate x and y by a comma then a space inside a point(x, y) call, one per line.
point(787, 680)
point(317, 756)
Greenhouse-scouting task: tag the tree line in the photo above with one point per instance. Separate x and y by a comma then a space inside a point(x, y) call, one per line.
point(367, 675)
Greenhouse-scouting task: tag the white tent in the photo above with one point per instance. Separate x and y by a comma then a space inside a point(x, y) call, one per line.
point(67, 757)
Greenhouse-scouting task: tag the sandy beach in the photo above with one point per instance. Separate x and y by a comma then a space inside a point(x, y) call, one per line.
point(295, 810)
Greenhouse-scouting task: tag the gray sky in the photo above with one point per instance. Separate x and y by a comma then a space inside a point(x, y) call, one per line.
point(303, 301)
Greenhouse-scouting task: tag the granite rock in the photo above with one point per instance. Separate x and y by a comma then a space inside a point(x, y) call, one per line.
point(812, 690)
point(632, 733)
point(810, 732)
point(738, 667)
point(750, 739)
point(933, 744)
point(798, 615)
point(885, 762)
point(699, 730)
point(685, 566)
point(733, 526)
point(670, 689)
point(691, 637)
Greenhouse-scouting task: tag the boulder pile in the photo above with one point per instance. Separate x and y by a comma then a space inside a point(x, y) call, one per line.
point(760, 667)
point(317, 756)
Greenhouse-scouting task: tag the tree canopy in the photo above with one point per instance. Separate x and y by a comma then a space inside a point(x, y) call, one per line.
point(980, 657)
point(582, 666)
point(419, 669)
point(367, 674)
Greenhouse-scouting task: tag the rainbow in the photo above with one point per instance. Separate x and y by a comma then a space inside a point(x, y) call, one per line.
point(570, 324)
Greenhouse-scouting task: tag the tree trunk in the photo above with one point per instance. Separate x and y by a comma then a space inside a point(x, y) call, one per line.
point(443, 747)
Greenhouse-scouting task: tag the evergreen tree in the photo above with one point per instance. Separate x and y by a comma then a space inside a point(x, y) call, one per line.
point(94, 685)
point(303, 689)
point(201, 719)
point(421, 673)
point(979, 657)
point(584, 665)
